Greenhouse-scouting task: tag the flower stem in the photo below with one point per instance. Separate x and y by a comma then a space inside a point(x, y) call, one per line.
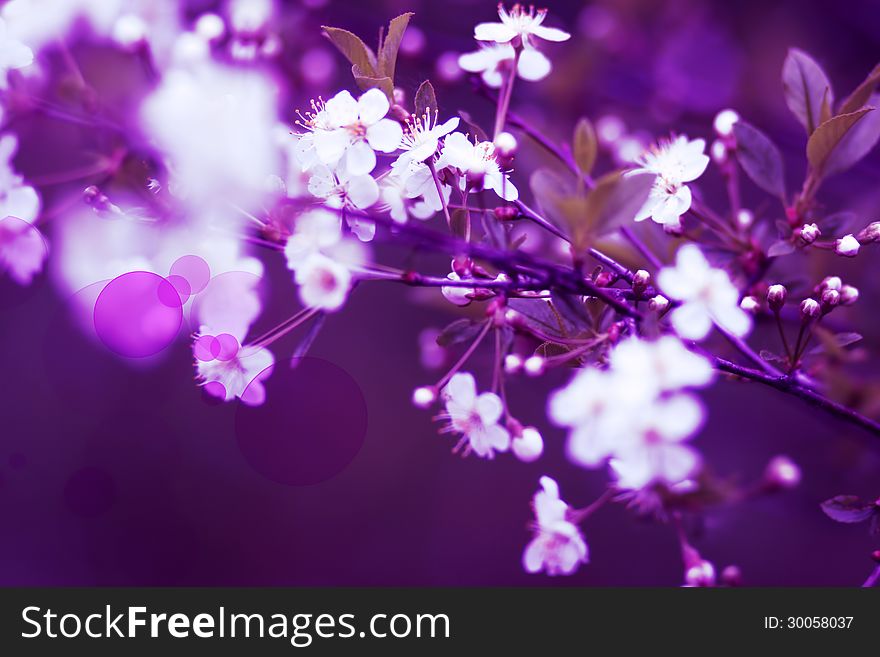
point(439, 187)
point(873, 578)
point(464, 357)
point(506, 93)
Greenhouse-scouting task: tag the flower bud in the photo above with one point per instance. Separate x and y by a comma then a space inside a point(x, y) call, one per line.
point(534, 365)
point(745, 218)
point(848, 295)
point(506, 212)
point(808, 233)
point(658, 304)
point(724, 122)
point(871, 233)
point(425, 396)
point(749, 304)
point(718, 151)
point(505, 145)
point(830, 283)
point(776, 295)
point(210, 27)
point(605, 279)
point(830, 298)
point(847, 246)
point(702, 574)
point(810, 308)
point(512, 364)
point(731, 576)
point(782, 473)
point(640, 282)
point(528, 446)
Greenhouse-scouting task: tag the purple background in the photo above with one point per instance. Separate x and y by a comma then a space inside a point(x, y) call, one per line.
point(115, 475)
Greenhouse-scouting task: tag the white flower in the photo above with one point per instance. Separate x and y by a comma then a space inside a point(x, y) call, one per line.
point(13, 54)
point(409, 189)
point(847, 246)
point(658, 454)
point(492, 60)
point(521, 24)
point(314, 231)
point(348, 131)
point(23, 249)
point(323, 282)
point(458, 295)
point(674, 163)
point(650, 368)
point(476, 165)
point(475, 416)
point(16, 198)
point(422, 137)
point(342, 188)
point(557, 546)
point(240, 376)
point(707, 295)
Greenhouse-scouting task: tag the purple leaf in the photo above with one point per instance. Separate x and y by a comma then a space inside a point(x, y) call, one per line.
point(848, 508)
point(759, 158)
point(805, 85)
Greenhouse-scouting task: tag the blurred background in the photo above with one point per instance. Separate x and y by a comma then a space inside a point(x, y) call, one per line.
point(116, 474)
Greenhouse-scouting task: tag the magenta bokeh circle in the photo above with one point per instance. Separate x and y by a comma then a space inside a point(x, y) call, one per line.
point(311, 426)
point(194, 270)
point(138, 314)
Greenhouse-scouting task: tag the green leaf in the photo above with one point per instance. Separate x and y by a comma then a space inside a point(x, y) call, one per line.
point(391, 44)
point(848, 508)
point(805, 85)
point(827, 136)
point(859, 97)
point(759, 158)
point(615, 201)
point(356, 51)
point(366, 82)
point(426, 100)
point(584, 145)
point(857, 143)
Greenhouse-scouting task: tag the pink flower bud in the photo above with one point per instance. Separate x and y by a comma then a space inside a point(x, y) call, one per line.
point(534, 365)
point(830, 298)
point(810, 308)
point(749, 304)
point(847, 246)
point(658, 304)
point(745, 218)
point(512, 363)
point(724, 122)
point(808, 233)
point(425, 396)
point(718, 152)
point(702, 574)
point(505, 145)
point(776, 295)
point(731, 576)
point(529, 446)
point(871, 233)
point(506, 212)
point(782, 472)
point(640, 281)
point(848, 295)
point(830, 283)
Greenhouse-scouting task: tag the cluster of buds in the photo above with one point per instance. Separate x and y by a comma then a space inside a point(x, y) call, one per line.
point(831, 292)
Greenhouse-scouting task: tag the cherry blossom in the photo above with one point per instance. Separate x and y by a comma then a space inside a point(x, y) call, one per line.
point(240, 376)
point(323, 282)
point(557, 547)
point(422, 136)
point(521, 25)
point(475, 416)
point(707, 296)
point(458, 295)
point(492, 60)
point(674, 162)
point(348, 131)
point(408, 189)
point(342, 188)
point(476, 165)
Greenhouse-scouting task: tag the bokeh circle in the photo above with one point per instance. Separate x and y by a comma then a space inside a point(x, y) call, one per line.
point(311, 426)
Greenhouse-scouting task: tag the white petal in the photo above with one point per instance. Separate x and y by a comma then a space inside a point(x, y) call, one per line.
point(331, 144)
point(533, 556)
point(372, 106)
point(691, 321)
point(342, 109)
point(550, 33)
point(476, 62)
point(733, 319)
point(22, 202)
point(360, 159)
point(489, 407)
point(493, 78)
point(533, 65)
point(497, 32)
point(462, 388)
point(363, 191)
point(385, 135)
